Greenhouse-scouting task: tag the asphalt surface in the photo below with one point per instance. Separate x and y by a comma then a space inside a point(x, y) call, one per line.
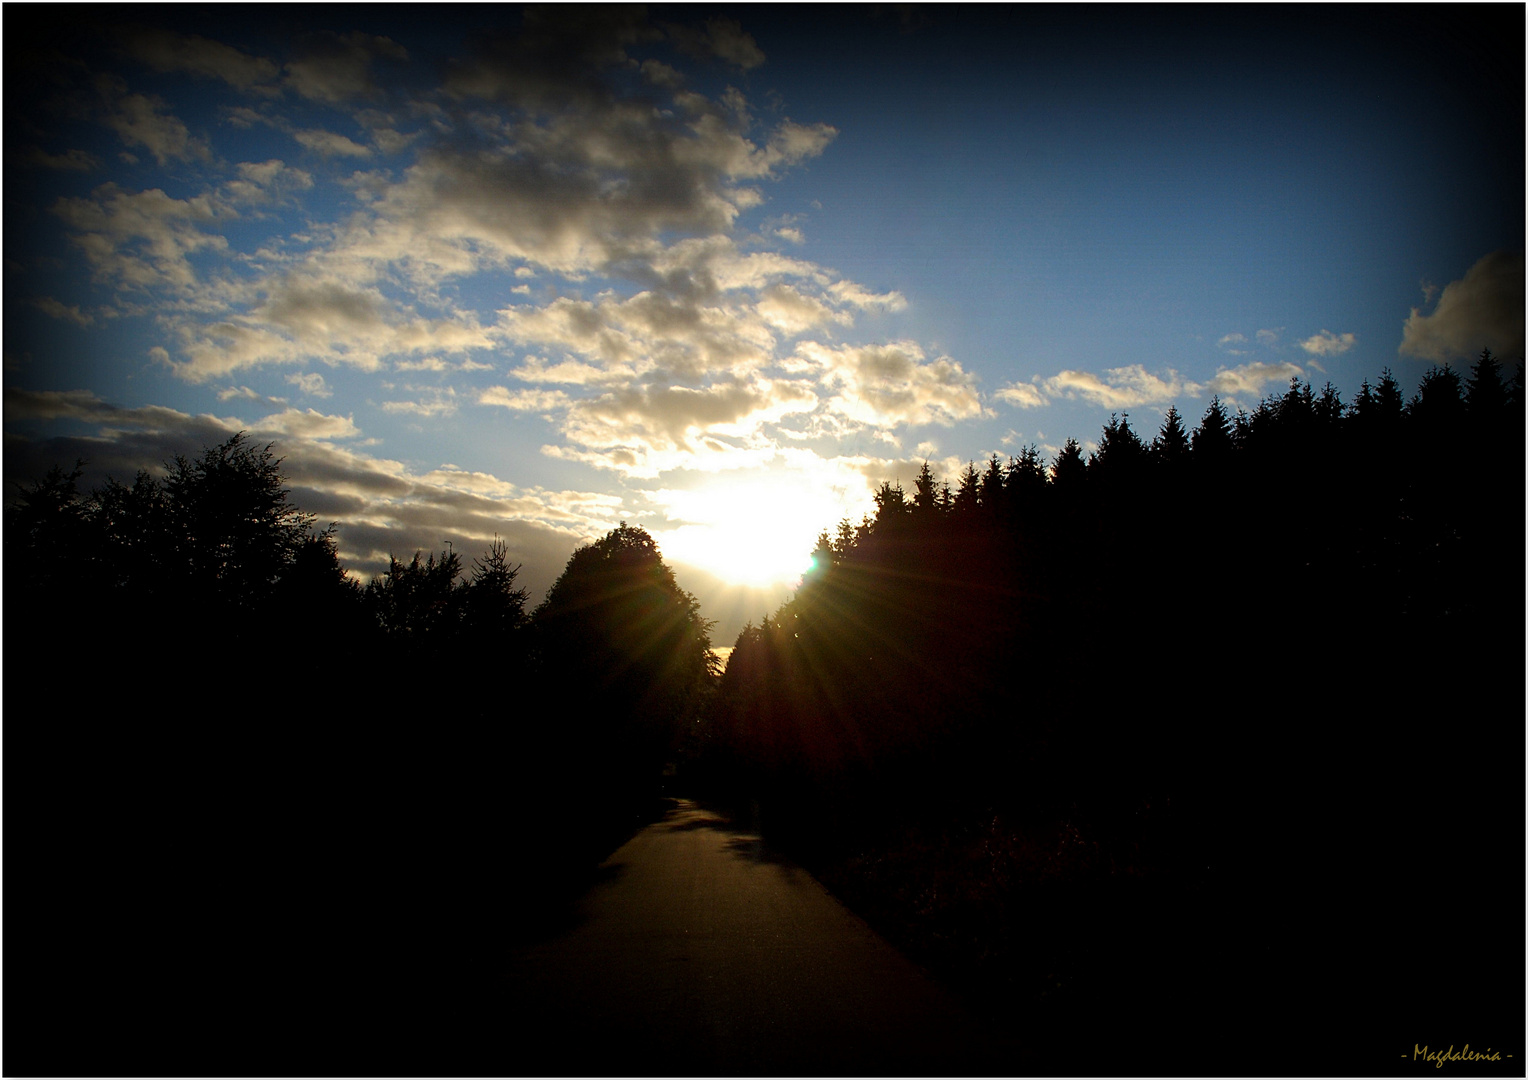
point(702, 952)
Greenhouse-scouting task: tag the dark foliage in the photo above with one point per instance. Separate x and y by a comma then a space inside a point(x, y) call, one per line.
point(252, 800)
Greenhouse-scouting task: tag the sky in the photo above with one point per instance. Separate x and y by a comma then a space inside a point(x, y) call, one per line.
point(721, 271)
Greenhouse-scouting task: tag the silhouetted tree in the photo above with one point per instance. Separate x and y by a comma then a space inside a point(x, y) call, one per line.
point(1069, 468)
point(1170, 447)
point(625, 648)
point(1486, 395)
point(1120, 451)
point(925, 492)
point(968, 494)
point(494, 605)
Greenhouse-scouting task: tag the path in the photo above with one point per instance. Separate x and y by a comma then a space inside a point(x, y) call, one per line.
point(703, 953)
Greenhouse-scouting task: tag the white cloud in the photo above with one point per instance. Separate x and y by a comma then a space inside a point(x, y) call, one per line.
point(1327, 343)
point(138, 121)
point(142, 240)
point(1248, 380)
point(1024, 395)
point(330, 144)
point(523, 400)
point(1484, 309)
point(436, 402)
point(312, 384)
point(891, 385)
point(307, 424)
point(1120, 388)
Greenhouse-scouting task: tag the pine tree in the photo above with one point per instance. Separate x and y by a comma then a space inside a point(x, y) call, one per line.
point(1212, 438)
point(1069, 469)
point(1485, 395)
point(1170, 447)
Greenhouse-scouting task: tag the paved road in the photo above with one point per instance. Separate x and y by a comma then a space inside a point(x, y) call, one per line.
point(703, 953)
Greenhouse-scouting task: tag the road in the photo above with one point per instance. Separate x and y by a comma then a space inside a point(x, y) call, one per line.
point(701, 952)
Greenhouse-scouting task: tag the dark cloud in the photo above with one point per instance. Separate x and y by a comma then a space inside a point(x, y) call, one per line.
point(336, 69)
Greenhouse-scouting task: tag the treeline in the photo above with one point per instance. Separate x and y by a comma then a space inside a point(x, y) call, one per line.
point(284, 802)
point(1278, 657)
point(1085, 612)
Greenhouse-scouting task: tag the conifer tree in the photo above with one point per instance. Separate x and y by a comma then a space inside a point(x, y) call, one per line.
point(1212, 438)
point(1170, 447)
point(1485, 395)
point(1069, 468)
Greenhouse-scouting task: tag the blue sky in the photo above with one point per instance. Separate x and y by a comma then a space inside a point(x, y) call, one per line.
point(721, 271)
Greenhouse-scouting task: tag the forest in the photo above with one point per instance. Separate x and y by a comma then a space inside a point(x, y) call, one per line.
point(1211, 737)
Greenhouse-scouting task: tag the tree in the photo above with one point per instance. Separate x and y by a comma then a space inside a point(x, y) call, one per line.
point(624, 647)
point(992, 489)
point(890, 502)
point(925, 495)
point(494, 608)
point(1212, 438)
point(417, 600)
point(1485, 395)
point(1329, 408)
point(1170, 447)
point(230, 524)
point(1120, 451)
point(968, 494)
point(1437, 408)
point(1068, 470)
point(1024, 478)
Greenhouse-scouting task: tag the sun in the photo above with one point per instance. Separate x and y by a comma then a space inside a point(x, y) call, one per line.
point(753, 530)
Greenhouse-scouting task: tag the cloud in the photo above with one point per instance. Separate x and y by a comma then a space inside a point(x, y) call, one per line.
point(138, 121)
point(330, 144)
point(722, 38)
point(523, 400)
point(1024, 395)
point(142, 240)
point(266, 181)
point(1484, 309)
point(787, 310)
point(1327, 343)
point(307, 424)
point(1248, 380)
point(643, 430)
point(303, 318)
point(58, 310)
point(379, 506)
point(165, 51)
point(68, 161)
point(436, 402)
point(336, 69)
point(892, 385)
point(1129, 387)
point(661, 333)
point(1120, 388)
point(311, 384)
